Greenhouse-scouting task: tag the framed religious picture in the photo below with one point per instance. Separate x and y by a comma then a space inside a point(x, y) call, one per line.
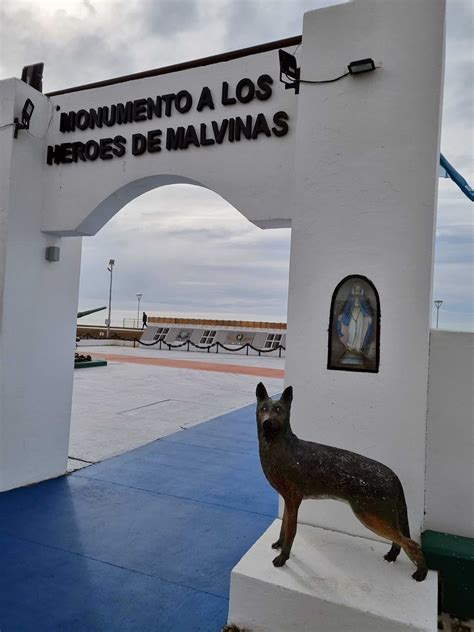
point(354, 326)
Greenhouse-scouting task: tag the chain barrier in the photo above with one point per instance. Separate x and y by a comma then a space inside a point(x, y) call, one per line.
point(217, 345)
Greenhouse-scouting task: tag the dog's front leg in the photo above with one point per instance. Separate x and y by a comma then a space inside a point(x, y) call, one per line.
point(292, 506)
point(279, 543)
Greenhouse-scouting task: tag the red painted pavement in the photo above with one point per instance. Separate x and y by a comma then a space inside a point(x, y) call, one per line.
point(195, 365)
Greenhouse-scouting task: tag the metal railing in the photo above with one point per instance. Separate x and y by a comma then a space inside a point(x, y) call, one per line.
point(131, 323)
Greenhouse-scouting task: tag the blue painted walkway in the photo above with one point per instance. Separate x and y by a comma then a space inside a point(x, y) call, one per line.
point(144, 542)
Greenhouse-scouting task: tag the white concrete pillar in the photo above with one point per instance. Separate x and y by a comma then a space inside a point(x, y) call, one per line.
point(366, 177)
point(38, 301)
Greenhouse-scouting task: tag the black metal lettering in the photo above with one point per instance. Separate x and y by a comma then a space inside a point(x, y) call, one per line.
point(264, 82)
point(96, 118)
point(184, 101)
point(205, 100)
point(105, 149)
point(154, 140)
point(119, 149)
point(190, 137)
point(78, 151)
point(245, 90)
point(67, 122)
point(226, 100)
point(168, 99)
point(66, 153)
point(261, 126)
point(82, 119)
point(54, 154)
point(231, 130)
point(280, 118)
point(244, 128)
point(109, 117)
point(202, 136)
point(92, 150)
point(124, 113)
point(219, 132)
point(153, 107)
point(174, 138)
point(138, 144)
point(139, 110)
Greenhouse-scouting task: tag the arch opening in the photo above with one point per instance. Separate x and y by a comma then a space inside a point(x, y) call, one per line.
point(190, 255)
point(126, 194)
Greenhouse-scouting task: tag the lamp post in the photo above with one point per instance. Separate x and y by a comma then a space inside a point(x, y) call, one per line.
point(139, 298)
point(110, 268)
point(438, 305)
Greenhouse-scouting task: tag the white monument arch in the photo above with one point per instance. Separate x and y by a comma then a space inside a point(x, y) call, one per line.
point(350, 165)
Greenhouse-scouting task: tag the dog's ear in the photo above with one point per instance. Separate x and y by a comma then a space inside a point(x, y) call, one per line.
point(287, 396)
point(261, 392)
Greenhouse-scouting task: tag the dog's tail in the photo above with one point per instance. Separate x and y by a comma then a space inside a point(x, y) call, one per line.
point(403, 513)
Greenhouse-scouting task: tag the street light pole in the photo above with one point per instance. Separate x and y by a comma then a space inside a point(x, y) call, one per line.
point(139, 298)
point(111, 270)
point(438, 305)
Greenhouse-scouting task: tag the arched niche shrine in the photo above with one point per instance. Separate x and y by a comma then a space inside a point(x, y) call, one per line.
point(354, 326)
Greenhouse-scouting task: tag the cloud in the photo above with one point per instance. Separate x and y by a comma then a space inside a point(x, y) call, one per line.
point(73, 42)
point(267, 16)
point(83, 41)
point(194, 253)
point(90, 7)
point(168, 18)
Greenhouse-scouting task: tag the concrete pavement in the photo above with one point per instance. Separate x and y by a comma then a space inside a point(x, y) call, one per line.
point(135, 400)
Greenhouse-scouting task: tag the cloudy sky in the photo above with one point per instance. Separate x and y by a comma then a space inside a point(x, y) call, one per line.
point(197, 254)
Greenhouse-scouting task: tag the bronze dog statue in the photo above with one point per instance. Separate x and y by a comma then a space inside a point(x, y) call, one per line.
point(300, 469)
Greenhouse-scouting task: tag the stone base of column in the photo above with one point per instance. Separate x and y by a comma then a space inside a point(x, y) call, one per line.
point(332, 582)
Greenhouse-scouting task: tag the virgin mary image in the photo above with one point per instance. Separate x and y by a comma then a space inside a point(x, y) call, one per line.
point(355, 326)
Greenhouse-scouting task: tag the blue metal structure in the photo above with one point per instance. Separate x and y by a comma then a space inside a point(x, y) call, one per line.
point(448, 171)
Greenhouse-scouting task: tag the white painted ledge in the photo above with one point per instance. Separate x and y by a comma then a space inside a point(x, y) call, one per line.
point(332, 582)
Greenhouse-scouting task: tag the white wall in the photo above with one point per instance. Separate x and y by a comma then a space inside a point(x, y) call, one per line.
point(366, 175)
point(450, 436)
point(38, 304)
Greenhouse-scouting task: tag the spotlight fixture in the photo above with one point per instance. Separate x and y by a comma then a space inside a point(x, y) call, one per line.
point(33, 76)
point(289, 70)
point(26, 114)
point(361, 65)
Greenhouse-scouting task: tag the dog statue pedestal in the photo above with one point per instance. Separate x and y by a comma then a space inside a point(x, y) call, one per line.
point(332, 582)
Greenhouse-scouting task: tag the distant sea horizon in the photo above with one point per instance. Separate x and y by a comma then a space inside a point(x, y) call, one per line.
point(118, 316)
point(129, 315)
